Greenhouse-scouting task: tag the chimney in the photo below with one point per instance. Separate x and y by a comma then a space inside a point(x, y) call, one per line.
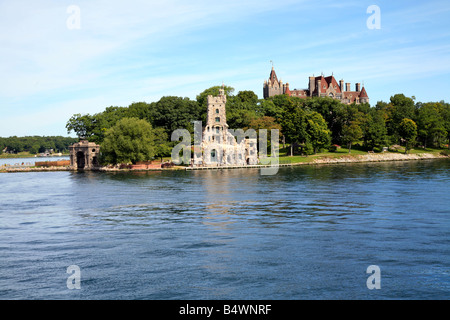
point(311, 86)
point(318, 88)
point(341, 85)
point(358, 87)
point(347, 87)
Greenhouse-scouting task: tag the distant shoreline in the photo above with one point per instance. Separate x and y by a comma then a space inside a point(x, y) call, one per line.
point(26, 156)
point(377, 157)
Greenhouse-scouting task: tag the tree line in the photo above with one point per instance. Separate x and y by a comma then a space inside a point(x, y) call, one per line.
point(306, 125)
point(36, 144)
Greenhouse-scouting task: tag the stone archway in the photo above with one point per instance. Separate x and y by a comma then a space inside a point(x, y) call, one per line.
point(80, 160)
point(84, 155)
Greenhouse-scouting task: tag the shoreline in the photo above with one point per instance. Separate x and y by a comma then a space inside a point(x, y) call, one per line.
point(346, 159)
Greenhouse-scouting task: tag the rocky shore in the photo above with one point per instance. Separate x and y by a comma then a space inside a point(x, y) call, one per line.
point(371, 157)
point(379, 157)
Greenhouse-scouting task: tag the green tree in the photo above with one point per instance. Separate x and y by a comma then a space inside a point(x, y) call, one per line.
point(266, 107)
point(332, 111)
point(129, 140)
point(400, 107)
point(317, 131)
point(374, 129)
point(347, 124)
point(408, 132)
point(430, 124)
point(163, 147)
point(81, 125)
point(264, 122)
point(445, 113)
point(173, 113)
point(293, 124)
point(248, 97)
point(351, 133)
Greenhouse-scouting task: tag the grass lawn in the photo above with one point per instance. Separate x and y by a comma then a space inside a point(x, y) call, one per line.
point(24, 154)
point(284, 157)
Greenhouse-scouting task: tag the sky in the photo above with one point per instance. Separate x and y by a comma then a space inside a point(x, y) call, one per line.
point(59, 58)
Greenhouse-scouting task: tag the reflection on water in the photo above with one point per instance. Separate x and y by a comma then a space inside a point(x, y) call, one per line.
point(308, 232)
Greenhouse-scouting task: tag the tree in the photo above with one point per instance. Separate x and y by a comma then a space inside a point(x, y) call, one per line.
point(173, 113)
point(347, 124)
point(129, 140)
point(374, 129)
point(82, 125)
point(445, 113)
point(408, 132)
point(266, 107)
point(162, 146)
point(293, 124)
point(401, 107)
point(240, 118)
point(264, 122)
point(317, 131)
point(430, 124)
point(267, 123)
point(332, 111)
point(248, 97)
point(351, 133)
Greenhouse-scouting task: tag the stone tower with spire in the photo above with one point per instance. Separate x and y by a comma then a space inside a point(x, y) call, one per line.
point(273, 86)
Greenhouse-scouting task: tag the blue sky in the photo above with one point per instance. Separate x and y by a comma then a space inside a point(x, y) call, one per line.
point(128, 51)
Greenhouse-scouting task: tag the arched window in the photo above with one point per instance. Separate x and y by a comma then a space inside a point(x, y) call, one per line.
point(213, 155)
point(217, 110)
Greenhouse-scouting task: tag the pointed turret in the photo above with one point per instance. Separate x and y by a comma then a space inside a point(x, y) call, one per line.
point(273, 77)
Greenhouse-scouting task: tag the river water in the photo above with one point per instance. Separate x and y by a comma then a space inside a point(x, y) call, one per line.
point(308, 232)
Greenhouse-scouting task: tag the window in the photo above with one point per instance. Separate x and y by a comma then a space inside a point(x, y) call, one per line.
point(217, 110)
point(217, 119)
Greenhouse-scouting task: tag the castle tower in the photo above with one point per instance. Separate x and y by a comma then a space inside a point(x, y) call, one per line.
point(219, 146)
point(273, 86)
point(363, 97)
point(216, 112)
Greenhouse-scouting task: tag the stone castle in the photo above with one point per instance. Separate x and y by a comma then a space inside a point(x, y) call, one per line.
point(219, 146)
point(318, 87)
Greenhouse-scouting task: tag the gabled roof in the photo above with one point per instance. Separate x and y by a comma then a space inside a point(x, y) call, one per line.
point(330, 80)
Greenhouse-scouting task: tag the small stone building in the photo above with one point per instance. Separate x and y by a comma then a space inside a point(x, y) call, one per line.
point(84, 155)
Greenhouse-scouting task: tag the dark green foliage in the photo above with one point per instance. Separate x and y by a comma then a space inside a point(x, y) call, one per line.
point(36, 144)
point(129, 140)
